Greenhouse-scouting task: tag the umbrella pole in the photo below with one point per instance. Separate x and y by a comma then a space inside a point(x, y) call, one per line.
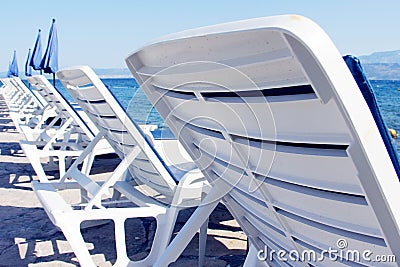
point(54, 80)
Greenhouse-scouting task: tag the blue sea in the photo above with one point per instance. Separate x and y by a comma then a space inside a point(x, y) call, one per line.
point(133, 99)
point(387, 93)
point(130, 96)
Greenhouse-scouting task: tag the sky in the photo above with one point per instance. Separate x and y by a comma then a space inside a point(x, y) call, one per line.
point(102, 34)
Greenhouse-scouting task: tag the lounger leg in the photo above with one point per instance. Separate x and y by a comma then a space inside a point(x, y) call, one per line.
point(51, 163)
point(201, 214)
point(84, 196)
point(87, 164)
point(116, 194)
point(68, 162)
point(165, 227)
point(61, 165)
point(72, 233)
point(203, 243)
point(37, 166)
point(120, 246)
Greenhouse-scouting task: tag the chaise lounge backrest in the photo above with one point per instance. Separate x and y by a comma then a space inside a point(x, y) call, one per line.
point(119, 129)
point(62, 107)
point(268, 108)
point(34, 99)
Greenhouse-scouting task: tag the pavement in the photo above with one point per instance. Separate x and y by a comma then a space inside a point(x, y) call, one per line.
point(28, 238)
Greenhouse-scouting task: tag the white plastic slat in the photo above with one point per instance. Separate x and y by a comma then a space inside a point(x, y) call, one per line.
point(340, 210)
point(326, 236)
point(241, 62)
point(245, 77)
point(255, 209)
point(87, 93)
point(111, 123)
point(298, 165)
point(148, 176)
point(242, 120)
point(121, 137)
point(219, 52)
point(99, 109)
point(74, 77)
point(146, 166)
point(268, 233)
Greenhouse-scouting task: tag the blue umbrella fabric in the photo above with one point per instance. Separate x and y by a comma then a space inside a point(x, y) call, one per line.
point(36, 58)
point(28, 68)
point(13, 71)
point(8, 71)
point(50, 59)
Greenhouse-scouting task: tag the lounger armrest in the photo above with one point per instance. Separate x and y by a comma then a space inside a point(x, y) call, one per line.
point(134, 195)
point(51, 201)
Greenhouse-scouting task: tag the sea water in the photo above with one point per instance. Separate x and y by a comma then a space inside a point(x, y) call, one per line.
point(131, 98)
point(387, 93)
point(134, 100)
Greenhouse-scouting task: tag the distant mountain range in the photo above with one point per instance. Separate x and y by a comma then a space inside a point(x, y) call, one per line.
point(388, 57)
point(378, 66)
point(382, 65)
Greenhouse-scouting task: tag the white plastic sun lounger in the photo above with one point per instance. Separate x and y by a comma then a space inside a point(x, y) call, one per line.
point(25, 107)
point(45, 130)
point(67, 140)
point(22, 96)
point(159, 192)
point(11, 93)
point(272, 115)
point(8, 91)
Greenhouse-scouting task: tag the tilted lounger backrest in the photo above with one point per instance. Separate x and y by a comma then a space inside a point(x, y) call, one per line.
point(9, 91)
point(63, 107)
point(268, 107)
point(121, 132)
point(28, 95)
point(40, 90)
point(37, 98)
